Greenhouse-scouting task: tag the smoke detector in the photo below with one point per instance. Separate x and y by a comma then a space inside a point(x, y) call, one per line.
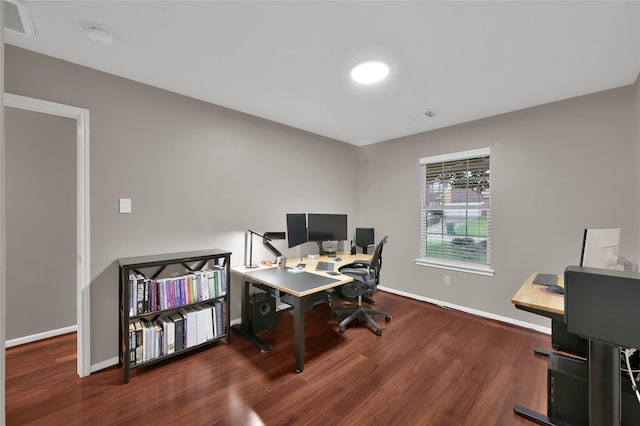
point(99, 35)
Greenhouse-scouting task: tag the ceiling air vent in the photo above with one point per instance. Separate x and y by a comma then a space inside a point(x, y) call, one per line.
point(17, 19)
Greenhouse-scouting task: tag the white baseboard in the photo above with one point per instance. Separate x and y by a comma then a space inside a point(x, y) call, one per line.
point(104, 364)
point(40, 336)
point(524, 324)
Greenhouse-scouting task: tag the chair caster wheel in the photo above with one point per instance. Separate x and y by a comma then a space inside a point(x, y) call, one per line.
point(378, 332)
point(341, 329)
point(387, 318)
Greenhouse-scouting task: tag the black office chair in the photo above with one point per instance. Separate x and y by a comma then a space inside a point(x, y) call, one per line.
point(366, 276)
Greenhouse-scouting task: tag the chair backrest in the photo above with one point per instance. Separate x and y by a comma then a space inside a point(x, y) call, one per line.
point(376, 259)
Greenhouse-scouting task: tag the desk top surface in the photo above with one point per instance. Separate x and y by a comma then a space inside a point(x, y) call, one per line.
point(534, 296)
point(301, 283)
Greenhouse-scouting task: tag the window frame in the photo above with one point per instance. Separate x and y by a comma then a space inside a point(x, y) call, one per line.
point(443, 262)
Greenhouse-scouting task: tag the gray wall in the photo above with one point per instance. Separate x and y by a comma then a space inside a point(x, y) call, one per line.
point(556, 169)
point(198, 175)
point(2, 231)
point(40, 175)
point(636, 131)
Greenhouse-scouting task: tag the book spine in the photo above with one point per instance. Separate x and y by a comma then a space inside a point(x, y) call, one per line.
point(140, 297)
point(132, 344)
point(179, 338)
point(220, 318)
point(172, 299)
point(216, 282)
point(133, 288)
point(223, 281)
point(154, 296)
point(139, 347)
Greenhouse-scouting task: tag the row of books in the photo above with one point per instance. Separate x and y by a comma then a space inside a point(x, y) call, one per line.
point(149, 295)
point(194, 325)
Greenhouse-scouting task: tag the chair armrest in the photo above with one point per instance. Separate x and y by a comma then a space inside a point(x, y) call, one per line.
point(361, 272)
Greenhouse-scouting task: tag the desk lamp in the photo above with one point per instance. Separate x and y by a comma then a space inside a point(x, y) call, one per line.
point(268, 236)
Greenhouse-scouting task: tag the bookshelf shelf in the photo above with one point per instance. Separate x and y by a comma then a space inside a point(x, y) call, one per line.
point(171, 304)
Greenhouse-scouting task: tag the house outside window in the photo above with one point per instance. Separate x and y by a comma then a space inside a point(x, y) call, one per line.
point(456, 211)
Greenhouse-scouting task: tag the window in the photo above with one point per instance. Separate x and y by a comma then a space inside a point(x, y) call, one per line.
point(456, 211)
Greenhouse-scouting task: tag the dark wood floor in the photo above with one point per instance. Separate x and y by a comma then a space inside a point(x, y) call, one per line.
point(431, 366)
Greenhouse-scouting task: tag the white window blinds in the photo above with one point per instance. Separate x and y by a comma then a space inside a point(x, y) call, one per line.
point(456, 211)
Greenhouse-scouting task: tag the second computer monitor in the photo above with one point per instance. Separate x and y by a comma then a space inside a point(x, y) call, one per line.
point(364, 238)
point(296, 229)
point(327, 227)
point(600, 248)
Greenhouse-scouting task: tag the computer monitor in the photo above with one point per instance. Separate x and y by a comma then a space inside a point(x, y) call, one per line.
point(602, 305)
point(327, 227)
point(600, 248)
point(296, 229)
point(364, 238)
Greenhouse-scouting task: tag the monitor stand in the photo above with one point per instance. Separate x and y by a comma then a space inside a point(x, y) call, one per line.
point(331, 252)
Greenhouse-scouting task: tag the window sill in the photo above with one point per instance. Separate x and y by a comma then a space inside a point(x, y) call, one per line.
point(456, 266)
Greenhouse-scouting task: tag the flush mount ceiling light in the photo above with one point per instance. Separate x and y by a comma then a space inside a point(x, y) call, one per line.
point(99, 35)
point(369, 72)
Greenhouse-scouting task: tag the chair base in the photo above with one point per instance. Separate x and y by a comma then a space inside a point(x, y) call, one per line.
point(361, 314)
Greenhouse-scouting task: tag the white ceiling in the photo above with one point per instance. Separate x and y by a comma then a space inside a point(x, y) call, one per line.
point(289, 61)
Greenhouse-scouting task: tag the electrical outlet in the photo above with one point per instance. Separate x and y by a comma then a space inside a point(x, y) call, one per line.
point(447, 280)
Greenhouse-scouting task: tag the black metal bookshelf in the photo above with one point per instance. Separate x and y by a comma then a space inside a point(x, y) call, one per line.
point(152, 267)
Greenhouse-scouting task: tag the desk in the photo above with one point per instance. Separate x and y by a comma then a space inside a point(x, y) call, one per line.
point(532, 298)
point(602, 357)
point(302, 290)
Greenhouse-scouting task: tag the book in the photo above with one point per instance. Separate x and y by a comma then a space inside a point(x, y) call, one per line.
point(201, 329)
point(140, 285)
point(146, 340)
point(133, 289)
point(178, 321)
point(132, 343)
point(191, 327)
point(209, 323)
point(211, 286)
point(139, 348)
point(171, 300)
point(219, 319)
point(214, 319)
point(165, 324)
point(153, 296)
point(204, 285)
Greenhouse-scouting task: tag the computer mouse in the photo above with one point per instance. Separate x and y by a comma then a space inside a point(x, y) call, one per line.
point(555, 289)
point(337, 259)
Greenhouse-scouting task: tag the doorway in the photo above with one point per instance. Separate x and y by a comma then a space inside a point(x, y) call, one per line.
point(81, 163)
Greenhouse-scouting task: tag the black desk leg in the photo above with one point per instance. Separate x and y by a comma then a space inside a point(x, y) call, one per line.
point(542, 352)
point(534, 416)
point(604, 384)
point(298, 333)
point(246, 328)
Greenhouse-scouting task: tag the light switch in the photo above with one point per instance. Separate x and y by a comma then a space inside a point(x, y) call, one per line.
point(125, 205)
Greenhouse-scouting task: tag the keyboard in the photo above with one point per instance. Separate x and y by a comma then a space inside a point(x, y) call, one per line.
point(546, 279)
point(324, 266)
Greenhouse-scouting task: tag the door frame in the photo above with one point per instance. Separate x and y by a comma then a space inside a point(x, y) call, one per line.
point(83, 276)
